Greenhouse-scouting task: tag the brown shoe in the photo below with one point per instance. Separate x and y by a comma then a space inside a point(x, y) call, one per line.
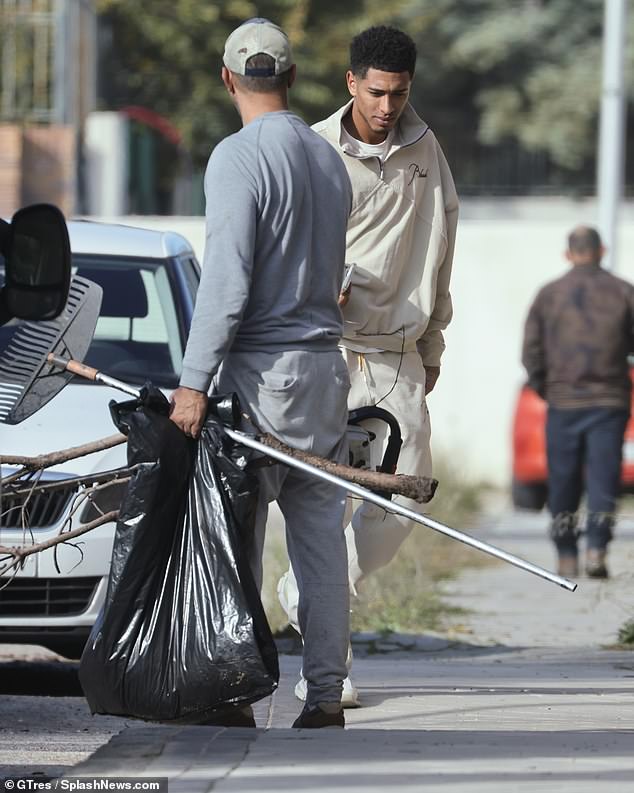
point(324, 714)
point(595, 563)
point(568, 566)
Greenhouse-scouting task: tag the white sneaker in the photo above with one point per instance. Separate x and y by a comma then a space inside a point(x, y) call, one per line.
point(289, 598)
point(349, 695)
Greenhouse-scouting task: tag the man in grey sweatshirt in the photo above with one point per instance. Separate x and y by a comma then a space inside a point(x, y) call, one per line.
point(267, 326)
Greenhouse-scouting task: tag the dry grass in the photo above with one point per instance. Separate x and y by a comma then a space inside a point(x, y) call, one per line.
point(405, 596)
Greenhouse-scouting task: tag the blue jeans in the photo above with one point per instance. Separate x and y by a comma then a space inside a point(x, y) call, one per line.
point(584, 447)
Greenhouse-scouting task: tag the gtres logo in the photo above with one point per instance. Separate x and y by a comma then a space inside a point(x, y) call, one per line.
point(85, 783)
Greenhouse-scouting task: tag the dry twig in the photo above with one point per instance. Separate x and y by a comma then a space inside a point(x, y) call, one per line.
point(26, 482)
point(55, 458)
point(418, 488)
point(18, 554)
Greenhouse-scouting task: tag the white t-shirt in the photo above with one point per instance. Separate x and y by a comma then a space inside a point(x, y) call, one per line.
point(357, 148)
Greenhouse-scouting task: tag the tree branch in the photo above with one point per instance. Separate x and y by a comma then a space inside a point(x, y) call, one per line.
point(20, 553)
point(114, 477)
point(418, 488)
point(55, 458)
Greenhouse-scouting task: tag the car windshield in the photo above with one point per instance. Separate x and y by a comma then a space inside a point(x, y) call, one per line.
point(138, 336)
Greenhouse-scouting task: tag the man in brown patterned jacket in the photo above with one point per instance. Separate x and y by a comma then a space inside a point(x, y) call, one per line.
point(578, 335)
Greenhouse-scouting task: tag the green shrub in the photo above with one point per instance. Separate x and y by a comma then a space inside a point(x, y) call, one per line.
point(626, 633)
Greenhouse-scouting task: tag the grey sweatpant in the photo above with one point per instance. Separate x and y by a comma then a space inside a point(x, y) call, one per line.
point(301, 398)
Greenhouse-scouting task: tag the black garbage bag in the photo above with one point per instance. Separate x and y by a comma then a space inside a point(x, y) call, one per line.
point(182, 632)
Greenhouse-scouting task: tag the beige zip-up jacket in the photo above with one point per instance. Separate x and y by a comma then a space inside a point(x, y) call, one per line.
point(401, 235)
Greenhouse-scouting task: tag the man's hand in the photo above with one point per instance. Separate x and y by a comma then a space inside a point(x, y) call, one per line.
point(431, 376)
point(189, 409)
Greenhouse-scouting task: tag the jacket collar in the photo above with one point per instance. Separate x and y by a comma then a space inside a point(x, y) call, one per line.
point(584, 269)
point(410, 128)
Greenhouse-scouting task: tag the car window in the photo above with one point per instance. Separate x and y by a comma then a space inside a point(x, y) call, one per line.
point(137, 337)
point(191, 271)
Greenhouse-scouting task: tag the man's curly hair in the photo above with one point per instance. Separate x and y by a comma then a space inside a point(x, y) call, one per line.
point(384, 48)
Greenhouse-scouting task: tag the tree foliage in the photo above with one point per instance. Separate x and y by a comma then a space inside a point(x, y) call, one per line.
point(532, 69)
point(496, 70)
point(167, 55)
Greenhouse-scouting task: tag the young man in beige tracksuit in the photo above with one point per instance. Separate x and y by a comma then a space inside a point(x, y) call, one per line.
point(400, 239)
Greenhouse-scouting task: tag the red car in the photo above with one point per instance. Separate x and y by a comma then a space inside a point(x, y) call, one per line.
point(530, 471)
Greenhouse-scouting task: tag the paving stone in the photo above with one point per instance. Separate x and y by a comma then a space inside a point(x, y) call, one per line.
point(522, 696)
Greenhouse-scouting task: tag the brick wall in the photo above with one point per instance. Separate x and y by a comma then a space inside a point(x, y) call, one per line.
point(10, 169)
point(37, 164)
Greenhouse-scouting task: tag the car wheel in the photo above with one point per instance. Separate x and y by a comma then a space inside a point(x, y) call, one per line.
point(528, 495)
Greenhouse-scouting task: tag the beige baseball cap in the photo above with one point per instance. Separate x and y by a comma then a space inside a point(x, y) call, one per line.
point(253, 37)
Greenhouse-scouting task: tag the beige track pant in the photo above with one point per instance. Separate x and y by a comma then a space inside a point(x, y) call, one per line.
point(396, 383)
point(373, 536)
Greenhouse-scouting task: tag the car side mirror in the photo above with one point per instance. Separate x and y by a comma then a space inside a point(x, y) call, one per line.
point(36, 249)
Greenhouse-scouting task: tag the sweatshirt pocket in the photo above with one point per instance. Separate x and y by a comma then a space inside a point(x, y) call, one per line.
point(277, 383)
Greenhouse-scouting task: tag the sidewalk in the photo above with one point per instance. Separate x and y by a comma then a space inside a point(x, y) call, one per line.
point(520, 697)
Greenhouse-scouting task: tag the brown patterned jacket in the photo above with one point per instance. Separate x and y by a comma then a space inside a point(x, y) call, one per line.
point(578, 335)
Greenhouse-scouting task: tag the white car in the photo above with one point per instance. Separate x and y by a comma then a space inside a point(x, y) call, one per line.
point(149, 282)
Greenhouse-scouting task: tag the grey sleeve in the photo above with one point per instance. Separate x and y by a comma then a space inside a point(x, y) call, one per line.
point(231, 214)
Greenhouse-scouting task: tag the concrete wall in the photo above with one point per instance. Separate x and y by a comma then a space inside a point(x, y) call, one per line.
point(499, 266)
point(106, 148)
point(505, 251)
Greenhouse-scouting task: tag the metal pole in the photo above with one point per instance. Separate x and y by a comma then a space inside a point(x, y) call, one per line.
point(368, 495)
point(392, 506)
point(612, 128)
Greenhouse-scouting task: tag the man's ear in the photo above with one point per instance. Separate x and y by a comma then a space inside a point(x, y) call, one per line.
point(292, 74)
point(227, 79)
point(351, 80)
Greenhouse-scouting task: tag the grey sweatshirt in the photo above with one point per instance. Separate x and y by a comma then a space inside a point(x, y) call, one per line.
point(278, 199)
